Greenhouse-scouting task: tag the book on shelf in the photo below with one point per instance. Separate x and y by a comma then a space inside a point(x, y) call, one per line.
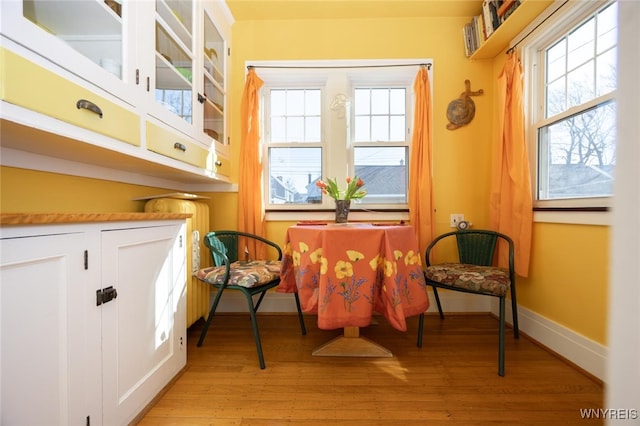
point(508, 11)
point(487, 18)
point(468, 44)
point(481, 27)
point(504, 6)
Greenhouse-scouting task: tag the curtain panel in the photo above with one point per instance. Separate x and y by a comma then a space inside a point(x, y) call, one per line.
point(251, 215)
point(511, 205)
point(420, 174)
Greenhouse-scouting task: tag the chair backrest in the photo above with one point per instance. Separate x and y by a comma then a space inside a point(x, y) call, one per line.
point(225, 242)
point(476, 247)
point(233, 245)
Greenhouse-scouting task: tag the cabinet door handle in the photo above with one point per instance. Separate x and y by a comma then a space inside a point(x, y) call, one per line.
point(180, 146)
point(85, 104)
point(201, 98)
point(218, 163)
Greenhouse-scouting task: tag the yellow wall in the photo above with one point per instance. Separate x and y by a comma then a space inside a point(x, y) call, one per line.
point(568, 283)
point(461, 156)
point(569, 277)
point(41, 192)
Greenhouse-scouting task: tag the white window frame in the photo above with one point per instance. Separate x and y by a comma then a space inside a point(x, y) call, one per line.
point(337, 78)
point(549, 27)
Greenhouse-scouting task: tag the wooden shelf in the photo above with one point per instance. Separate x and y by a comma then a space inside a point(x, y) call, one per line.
point(502, 36)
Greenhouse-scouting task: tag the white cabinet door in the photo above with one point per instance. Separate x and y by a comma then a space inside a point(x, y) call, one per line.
point(49, 367)
point(87, 38)
point(144, 338)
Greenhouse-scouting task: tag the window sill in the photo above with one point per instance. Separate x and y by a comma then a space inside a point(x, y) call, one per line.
point(329, 216)
point(602, 218)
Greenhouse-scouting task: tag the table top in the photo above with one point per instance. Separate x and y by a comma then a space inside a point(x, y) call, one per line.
point(347, 272)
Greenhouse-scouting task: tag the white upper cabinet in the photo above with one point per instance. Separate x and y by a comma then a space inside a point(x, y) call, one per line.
point(213, 95)
point(163, 61)
point(87, 38)
point(168, 68)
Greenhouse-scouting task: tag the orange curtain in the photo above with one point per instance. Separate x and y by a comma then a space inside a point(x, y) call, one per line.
point(420, 188)
point(511, 207)
point(250, 188)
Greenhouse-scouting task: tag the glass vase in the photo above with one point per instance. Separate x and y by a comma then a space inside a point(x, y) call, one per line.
point(342, 210)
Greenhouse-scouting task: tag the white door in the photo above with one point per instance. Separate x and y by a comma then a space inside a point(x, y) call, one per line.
point(49, 369)
point(143, 338)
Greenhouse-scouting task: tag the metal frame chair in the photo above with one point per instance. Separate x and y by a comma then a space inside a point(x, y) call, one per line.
point(223, 246)
point(475, 247)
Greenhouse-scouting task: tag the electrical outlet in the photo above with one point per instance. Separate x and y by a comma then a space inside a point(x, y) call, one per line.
point(455, 218)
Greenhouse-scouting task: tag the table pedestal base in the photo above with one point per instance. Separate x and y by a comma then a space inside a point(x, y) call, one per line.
point(352, 344)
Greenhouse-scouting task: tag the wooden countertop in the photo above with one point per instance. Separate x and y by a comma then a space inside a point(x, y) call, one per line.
point(59, 218)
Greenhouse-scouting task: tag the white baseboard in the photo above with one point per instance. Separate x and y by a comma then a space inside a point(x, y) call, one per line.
point(585, 353)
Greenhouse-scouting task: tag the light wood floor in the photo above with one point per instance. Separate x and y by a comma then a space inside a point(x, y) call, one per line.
point(451, 380)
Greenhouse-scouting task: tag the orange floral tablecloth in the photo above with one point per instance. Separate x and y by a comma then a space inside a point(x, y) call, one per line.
point(346, 272)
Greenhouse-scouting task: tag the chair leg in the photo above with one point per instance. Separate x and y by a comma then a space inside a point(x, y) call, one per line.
point(514, 313)
point(207, 323)
point(420, 329)
point(256, 333)
point(501, 339)
point(435, 293)
point(300, 317)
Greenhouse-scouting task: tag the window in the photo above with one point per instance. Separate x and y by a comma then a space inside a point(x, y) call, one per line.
point(573, 76)
point(336, 122)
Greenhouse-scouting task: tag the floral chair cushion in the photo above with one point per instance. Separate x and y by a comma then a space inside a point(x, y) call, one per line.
point(481, 279)
point(242, 273)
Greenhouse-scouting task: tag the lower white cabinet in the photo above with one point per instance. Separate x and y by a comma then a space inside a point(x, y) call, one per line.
point(92, 320)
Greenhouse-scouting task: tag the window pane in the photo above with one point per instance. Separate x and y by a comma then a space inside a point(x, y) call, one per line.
point(312, 129)
point(278, 129)
point(581, 44)
point(380, 101)
point(397, 101)
point(580, 85)
point(292, 175)
point(362, 102)
point(397, 128)
point(380, 128)
point(312, 102)
point(557, 60)
point(295, 102)
point(577, 155)
point(295, 129)
point(556, 97)
point(384, 172)
point(363, 128)
point(278, 102)
point(607, 28)
point(606, 72)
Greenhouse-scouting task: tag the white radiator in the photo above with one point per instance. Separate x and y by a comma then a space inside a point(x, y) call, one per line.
point(197, 254)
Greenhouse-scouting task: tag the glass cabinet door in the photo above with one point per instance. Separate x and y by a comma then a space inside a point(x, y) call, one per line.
point(213, 99)
point(174, 57)
point(93, 28)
